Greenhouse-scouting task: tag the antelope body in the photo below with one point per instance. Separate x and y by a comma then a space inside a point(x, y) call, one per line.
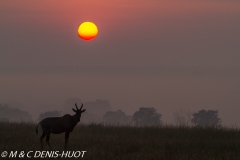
point(58, 125)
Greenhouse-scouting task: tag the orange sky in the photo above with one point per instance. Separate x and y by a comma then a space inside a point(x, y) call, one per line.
point(192, 45)
point(185, 32)
point(111, 15)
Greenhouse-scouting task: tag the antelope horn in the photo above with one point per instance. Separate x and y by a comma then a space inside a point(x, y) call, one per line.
point(76, 106)
point(81, 106)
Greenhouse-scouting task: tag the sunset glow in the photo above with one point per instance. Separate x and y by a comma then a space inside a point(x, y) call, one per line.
point(175, 55)
point(87, 30)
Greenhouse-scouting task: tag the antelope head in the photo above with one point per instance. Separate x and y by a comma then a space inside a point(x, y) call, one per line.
point(78, 111)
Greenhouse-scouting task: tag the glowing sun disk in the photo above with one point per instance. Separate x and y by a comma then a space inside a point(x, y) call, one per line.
point(87, 30)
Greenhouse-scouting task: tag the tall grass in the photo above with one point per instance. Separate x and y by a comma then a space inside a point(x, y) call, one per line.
point(123, 142)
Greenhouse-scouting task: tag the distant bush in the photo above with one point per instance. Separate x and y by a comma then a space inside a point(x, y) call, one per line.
point(13, 114)
point(206, 118)
point(3, 119)
point(49, 114)
point(146, 117)
point(116, 118)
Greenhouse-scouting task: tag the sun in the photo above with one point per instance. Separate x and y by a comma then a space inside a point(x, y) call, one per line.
point(87, 31)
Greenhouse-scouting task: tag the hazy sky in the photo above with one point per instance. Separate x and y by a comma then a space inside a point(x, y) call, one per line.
point(167, 54)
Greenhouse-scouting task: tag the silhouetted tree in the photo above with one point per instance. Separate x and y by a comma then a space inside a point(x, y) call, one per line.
point(206, 118)
point(49, 114)
point(116, 118)
point(13, 114)
point(146, 117)
point(182, 118)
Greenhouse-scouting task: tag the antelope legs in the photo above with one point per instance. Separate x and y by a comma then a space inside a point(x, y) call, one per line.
point(42, 137)
point(47, 139)
point(66, 139)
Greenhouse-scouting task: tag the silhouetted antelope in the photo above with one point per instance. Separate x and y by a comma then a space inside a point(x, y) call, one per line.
point(58, 125)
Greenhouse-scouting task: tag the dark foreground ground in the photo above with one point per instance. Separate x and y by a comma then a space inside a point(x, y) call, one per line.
point(112, 143)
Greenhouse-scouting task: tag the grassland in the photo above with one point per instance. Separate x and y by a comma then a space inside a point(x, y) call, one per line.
point(113, 143)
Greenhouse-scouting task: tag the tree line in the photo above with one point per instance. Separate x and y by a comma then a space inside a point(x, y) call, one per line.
point(150, 117)
point(144, 116)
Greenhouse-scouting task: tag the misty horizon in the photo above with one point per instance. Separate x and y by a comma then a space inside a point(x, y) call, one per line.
point(83, 80)
point(170, 55)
